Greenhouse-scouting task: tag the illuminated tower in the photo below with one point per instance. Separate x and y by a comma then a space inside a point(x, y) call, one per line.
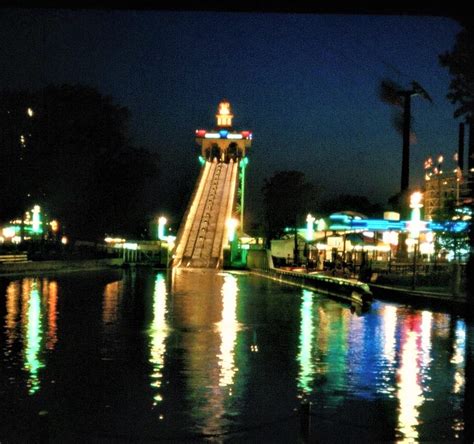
point(224, 144)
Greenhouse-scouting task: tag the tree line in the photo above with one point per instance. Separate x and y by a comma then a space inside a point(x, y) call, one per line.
point(67, 148)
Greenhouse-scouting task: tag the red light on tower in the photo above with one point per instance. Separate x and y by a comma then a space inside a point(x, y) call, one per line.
point(245, 134)
point(200, 133)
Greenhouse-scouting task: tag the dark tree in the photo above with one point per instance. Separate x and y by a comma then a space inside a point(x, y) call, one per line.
point(350, 202)
point(67, 148)
point(287, 198)
point(460, 63)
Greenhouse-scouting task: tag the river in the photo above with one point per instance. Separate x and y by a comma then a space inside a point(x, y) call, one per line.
point(146, 356)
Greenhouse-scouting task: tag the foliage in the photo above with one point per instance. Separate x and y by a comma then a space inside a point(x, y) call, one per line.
point(460, 63)
point(73, 157)
point(351, 202)
point(451, 239)
point(287, 198)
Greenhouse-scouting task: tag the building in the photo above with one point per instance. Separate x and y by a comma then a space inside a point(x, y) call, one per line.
point(441, 187)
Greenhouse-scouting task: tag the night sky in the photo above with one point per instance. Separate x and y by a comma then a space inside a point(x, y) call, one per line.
point(305, 84)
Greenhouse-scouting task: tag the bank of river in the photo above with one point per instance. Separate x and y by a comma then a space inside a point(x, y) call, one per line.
point(58, 266)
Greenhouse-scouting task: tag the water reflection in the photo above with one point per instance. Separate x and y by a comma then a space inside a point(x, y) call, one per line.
point(306, 371)
point(34, 336)
point(205, 310)
point(12, 313)
point(198, 337)
point(228, 331)
point(31, 308)
point(51, 295)
point(409, 391)
point(111, 299)
point(458, 360)
point(158, 333)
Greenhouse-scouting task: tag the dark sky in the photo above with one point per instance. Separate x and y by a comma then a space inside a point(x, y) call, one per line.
point(305, 84)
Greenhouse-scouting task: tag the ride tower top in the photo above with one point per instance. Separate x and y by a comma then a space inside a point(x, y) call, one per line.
point(224, 142)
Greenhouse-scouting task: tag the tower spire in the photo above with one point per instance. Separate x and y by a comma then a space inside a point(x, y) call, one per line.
point(224, 115)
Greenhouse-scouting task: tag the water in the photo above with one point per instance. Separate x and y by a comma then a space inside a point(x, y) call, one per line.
point(123, 356)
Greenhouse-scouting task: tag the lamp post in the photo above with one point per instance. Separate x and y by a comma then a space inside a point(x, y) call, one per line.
point(161, 227)
point(414, 229)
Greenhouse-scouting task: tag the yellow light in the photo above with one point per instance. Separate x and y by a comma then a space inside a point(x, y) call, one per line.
point(415, 199)
point(64, 240)
point(114, 240)
point(224, 108)
point(54, 225)
point(8, 232)
point(30, 112)
point(228, 331)
point(440, 159)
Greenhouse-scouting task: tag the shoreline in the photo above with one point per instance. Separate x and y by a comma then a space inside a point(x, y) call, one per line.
point(58, 266)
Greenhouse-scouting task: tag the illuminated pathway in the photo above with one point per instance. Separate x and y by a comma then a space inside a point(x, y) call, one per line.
point(205, 229)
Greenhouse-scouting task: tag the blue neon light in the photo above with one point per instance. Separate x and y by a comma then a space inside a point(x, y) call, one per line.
point(223, 133)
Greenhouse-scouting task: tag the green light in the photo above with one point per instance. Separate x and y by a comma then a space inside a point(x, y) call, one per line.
point(36, 223)
point(161, 227)
point(202, 161)
point(33, 340)
point(244, 162)
point(306, 342)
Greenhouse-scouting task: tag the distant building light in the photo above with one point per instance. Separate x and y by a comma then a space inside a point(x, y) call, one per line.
point(161, 227)
point(9, 232)
point(36, 219)
point(114, 240)
point(30, 112)
point(391, 215)
point(64, 240)
point(54, 225)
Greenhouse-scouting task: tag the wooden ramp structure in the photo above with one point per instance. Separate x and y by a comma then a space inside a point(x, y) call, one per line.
point(203, 232)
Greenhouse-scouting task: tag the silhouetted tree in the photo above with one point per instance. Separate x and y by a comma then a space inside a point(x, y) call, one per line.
point(350, 202)
point(287, 198)
point(67, 148)
point(460, 63)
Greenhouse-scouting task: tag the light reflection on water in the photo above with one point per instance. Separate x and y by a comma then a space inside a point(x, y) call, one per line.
point(206, 369)
point(31, 306)
point(158, 333)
